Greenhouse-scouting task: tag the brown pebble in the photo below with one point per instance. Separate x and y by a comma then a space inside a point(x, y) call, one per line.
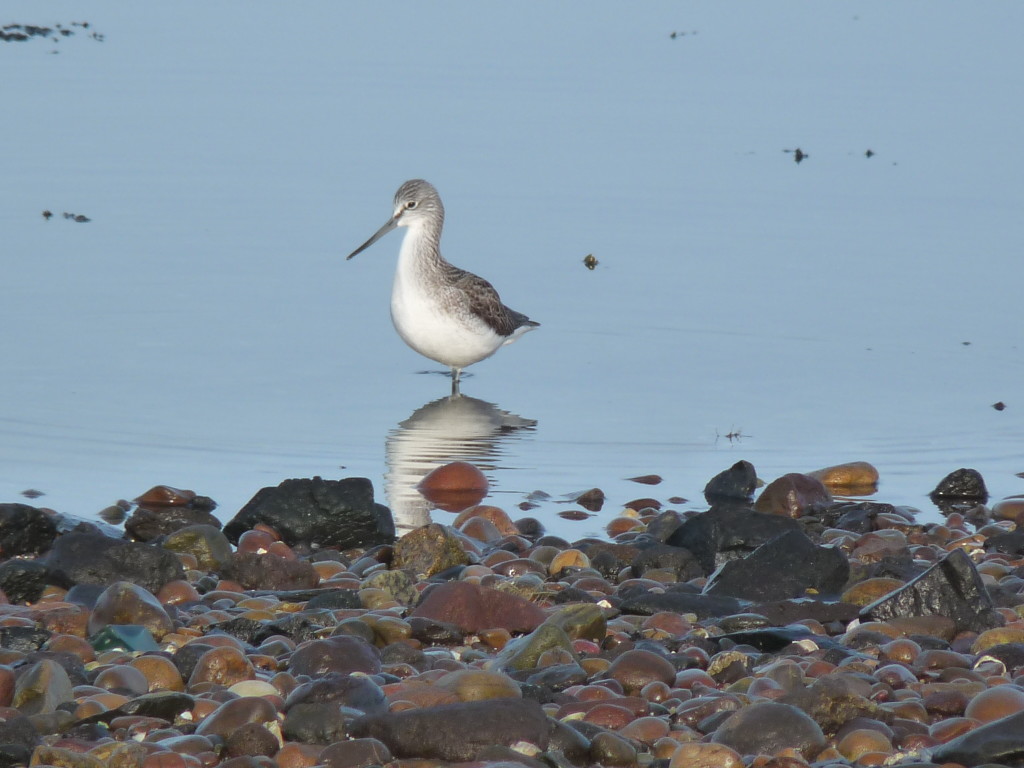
point(224, 666)
point(995, 703)
point(160, 672)
point(636, 668)
point(859, 742)
point(946, 730)
point(701, 755)
point(454, 487)
point(295, 754)
point(855, 478)
point(166, 496)
point(251, 739)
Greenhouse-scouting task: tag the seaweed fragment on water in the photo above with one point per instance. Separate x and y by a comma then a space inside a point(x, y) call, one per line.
point(19, 33)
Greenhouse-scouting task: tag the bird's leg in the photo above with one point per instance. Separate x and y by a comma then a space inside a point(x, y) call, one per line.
point(456, 375)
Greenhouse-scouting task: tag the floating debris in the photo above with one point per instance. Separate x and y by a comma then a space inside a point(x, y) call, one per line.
point(645, 479)
point(19, 33)
point(79, 217)
point(798, 154)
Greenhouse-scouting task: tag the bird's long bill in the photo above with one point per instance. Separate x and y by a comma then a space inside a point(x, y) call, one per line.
point(392, 223)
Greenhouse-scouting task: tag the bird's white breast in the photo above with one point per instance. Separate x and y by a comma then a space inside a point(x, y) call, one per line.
point(433, 318)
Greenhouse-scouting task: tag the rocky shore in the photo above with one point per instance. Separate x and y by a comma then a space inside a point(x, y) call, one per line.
point(793, 630)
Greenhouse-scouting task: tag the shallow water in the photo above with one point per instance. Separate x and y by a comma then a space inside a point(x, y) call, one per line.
point(204, 330)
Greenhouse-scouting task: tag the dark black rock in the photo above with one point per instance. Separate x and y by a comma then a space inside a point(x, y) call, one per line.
point(1011, 654)
point(705, 606)
point(14, 755)
point(166, 705)
point(572, 595)
point(997, 742)
point(774, 639)
point(340, 653)
point(250, 740)
point(834, 699)
point(855, 516)
point(87, 558)
point(269, 572)
point(726, 532)
point(24, 639)
point(247, 630)
point(457, 732)
point(24, 530)
point(403, 653)
point(783, 612)
point(664, 525)
point(17, 730)
point(23, 581)
point(962, 484)
point(353, 691)
point(335, 598)
point(785, 567)
point(146, 523)
point(557, 677)
point(329, 513)
point(85, 594)
point(300, 628)
point(187, 656)
point(737, 482)
point(677, 560)
point(1011, 543)
point(951, 587)
point(434, 632)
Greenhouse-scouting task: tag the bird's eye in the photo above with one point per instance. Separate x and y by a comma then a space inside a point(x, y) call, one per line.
point(410, 205)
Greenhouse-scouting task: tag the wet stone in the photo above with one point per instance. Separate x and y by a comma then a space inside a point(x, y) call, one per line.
point(267, 571)
point(23, 581)
point(474, 608)
point(126, 603)
point(738, 482)
point(207, 543)
point(149, 523)
point(42, 688)
point(728, 531)
point(997, 743)
point(232, 715)
point(962, 484)
point(457, 732)
point(793, 495)
point(768, 728)
point(343, 654)
point(951, 588)
point(788, 566)
point(88, 558)
point(25, 530)
point(355, 753)
point(704, 606)
point(331, 513)
point(428, 550)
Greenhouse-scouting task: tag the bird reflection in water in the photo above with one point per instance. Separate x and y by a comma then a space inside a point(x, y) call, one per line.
point(456, 428)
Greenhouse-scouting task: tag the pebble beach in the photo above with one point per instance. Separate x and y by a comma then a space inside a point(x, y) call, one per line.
point(797, 628)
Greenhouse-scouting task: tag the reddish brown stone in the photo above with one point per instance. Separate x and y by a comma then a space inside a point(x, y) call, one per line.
point(473, 608)
point(635, 669)
point(793, 495)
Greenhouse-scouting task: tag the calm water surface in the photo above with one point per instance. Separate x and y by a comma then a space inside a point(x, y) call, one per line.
point(204, 330)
